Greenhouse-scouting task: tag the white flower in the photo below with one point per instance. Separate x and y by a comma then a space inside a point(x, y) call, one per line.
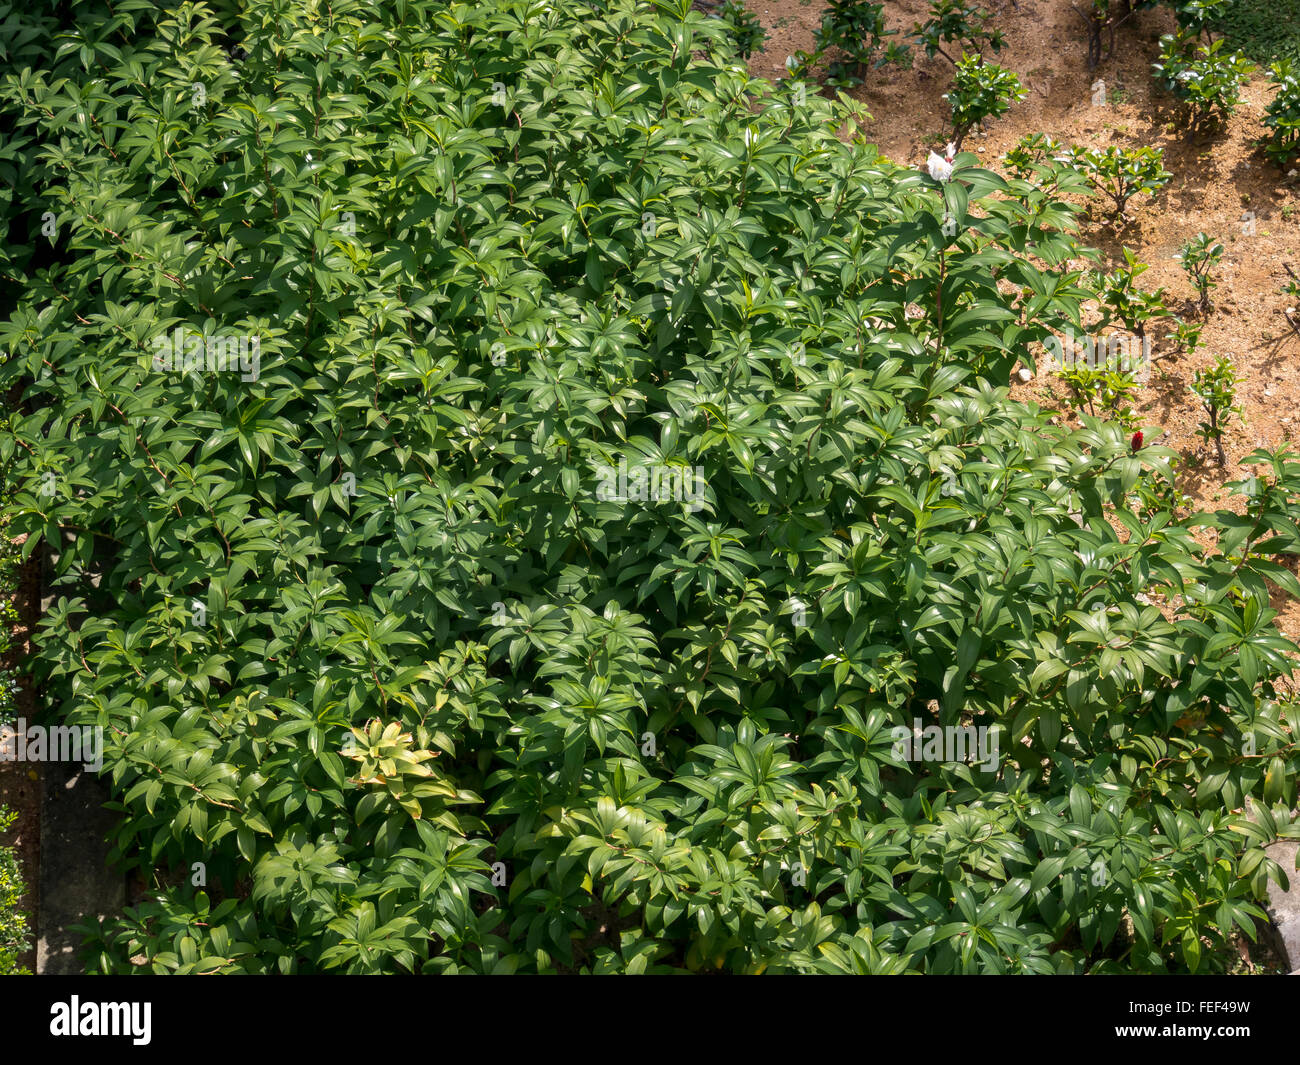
point(939, 167)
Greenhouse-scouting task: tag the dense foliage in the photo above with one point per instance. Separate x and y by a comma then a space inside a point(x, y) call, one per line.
point(1264, 29)
point(628, 457)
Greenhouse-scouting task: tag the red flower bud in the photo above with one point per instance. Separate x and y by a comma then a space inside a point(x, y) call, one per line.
point(1136, 442)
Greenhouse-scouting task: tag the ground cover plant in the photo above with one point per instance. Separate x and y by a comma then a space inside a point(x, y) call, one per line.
point(1263, 29)
point(513, 483)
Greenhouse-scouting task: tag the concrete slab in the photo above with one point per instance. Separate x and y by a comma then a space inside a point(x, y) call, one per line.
point(76, 883)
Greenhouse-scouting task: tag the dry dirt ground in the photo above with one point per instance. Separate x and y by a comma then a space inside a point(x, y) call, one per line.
point(1219, 180)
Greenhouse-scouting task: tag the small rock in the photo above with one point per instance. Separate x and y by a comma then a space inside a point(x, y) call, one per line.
point(1024, 375)
point(1268, 391)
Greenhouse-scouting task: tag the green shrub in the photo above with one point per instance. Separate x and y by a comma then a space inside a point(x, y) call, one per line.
point(1105, 389)
point(14, 933)
point(592, 489)
point(959, 24)
point(980, 91)
point(1124, 302)
point(1040, 165)
point(855, 31)
point(1207, 80)
point(1282, 114)
point(1198, 257)
point(1119, 174)
point(744, 30)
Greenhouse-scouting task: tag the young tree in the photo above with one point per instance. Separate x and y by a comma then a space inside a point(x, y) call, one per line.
point(1216, 388)
point(980, 91)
